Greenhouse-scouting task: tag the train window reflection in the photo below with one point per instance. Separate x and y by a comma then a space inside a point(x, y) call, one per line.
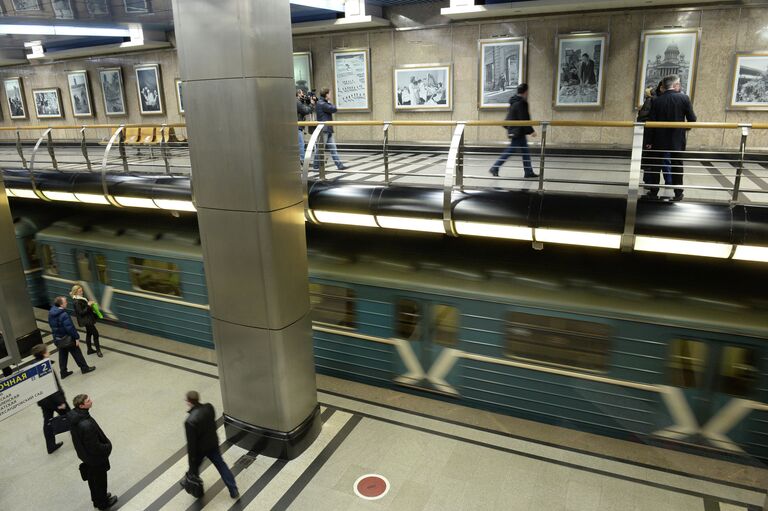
point(687, 363)
point(30, 246)
point(101, 269)
point(49, 258)
point(84, 266)
point(445, 325)
point(408, 314)
point(558, 341)
point(333, 305)
point(155, 276)
point(738, 372)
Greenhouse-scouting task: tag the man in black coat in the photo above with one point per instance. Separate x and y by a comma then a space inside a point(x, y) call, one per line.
point(587, 70)
point(203, 442)
point(55, 403)
point(325, 110)
point(93, 448)
point(64, 330)
point(671, 106)
point(518, 111)
point(305, 105)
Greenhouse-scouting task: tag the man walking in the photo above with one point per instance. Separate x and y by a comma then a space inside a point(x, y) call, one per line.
point(55, 403)
point(93, 448)
point(203, 442)
point(65, 337)
point(671, 106)
point(518, 111)
point(325, 110)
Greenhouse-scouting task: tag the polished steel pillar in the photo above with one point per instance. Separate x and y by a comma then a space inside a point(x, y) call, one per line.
point(237, 68)
point(17, 320)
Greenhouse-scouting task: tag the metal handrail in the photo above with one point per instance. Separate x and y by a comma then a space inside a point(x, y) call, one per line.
point(104, 187)
point(308, 158)
point(453, 178)
point(32, 180)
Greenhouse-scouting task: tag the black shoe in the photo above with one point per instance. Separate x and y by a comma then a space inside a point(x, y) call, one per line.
point(343, 167)
point(677, 197)
point(111, 501)
point(234, 494)
point(530, 176)
point(494, 173)
point(89, 369)
point(64, 374)
point(99, 354)
point(55, 447)
point(650, 196)
point(90, 351)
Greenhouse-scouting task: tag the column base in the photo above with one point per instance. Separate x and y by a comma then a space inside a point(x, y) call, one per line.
point(269, 442)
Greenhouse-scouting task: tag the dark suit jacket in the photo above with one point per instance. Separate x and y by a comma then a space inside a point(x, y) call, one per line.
point(673, 107)
point(200, 427)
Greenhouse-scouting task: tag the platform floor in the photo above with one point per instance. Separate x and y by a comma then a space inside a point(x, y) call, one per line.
point(435, 454)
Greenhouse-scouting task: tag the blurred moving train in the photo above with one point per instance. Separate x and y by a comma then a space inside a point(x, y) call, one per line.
point(611, 344)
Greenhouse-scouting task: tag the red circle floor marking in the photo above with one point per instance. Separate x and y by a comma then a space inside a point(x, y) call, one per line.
point(371, 486)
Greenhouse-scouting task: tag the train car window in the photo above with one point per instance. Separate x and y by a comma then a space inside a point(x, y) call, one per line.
point(738, 371)
point(30, 246)
point(333, 305)
point(155, 276)
point(559, 341)
point(101, 269)
point(408, 318)
point(445, 325)
point(687, 363)
point(49, 258)
point(84, 266)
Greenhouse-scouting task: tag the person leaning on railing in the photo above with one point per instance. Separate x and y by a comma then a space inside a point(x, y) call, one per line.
point(325, 110)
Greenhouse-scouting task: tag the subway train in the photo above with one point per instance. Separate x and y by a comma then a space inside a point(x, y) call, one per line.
point(660, 349)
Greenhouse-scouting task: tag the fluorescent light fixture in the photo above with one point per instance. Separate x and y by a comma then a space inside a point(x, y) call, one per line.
point(583, 238)
point(411, 224)
point(9, 192)
point(22, 193)
point(136, 202)
point(751, 253)
point(335, 217)
point(60, 196)
point(488, 230)
point(683, 247)
point(14, 29)
point(330, 5)
point(175, 205)
point(91, 198)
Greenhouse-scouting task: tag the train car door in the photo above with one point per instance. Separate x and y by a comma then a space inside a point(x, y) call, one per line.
point(93, 272)
point(428, 340)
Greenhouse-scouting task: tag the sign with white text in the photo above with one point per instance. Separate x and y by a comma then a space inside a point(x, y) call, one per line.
point(26, 388)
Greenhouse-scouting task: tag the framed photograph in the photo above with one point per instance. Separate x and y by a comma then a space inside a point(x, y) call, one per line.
point(351, 80)
point(136, 6)
point(502, 69)
point(47, 103)
point(97, 7)
point(62, 9)
point(179, 96)
point(667, 52)
point(14, 93)
point(80, 94)
point(150, 89)
point(112, 90)
point(302, 70)
point(26, 5)
point(423, 88)
point(749, 83)
point(579, 75)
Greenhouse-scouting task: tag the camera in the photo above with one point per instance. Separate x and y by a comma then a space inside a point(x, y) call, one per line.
point(309, 97)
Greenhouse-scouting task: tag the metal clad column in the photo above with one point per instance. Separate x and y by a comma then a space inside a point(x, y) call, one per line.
point(237, 67)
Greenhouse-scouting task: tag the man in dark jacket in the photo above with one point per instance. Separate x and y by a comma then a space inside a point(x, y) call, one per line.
point(587, 70)
point(671, 106)
point(518, 111)
point(325, 110)
point(203, 442)
point(65, 337)
point(93, 448)
point(304, 106)
point(55, 403)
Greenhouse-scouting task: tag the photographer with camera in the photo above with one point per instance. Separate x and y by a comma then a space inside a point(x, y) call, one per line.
point(325, 111)
point(305, 105)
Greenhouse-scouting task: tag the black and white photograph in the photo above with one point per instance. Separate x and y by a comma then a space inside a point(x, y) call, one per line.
point(668, 52)
point(580, 64)
point(97, 7)
point(80, 94)
point(749, 84)
point(62, 9)
point(137, 6)
point(302, 70)
point(26, 5)
point(112, 90)
point(502, 69)
point(150, 89)
point(180, 96)
point(47, 103)
point(351, 82)
point(14, 93)
point(423, 88)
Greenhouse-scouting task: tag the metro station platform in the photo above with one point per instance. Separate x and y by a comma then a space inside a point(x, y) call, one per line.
point(435, 455)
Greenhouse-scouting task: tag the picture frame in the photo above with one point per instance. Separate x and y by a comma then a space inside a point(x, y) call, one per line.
point(149, 86)
point(502, 67)
point(97, 7)
point(137, 6)
point(180, 96)
point(579, 73)
point(14, 96)
point(664, 52)
point(26, 5)
point(423, 88)
point(47, 103)
point(113, 91)
point(749, 81)
point(80, 94)
point(351, 79)
point(302, 70)
point(62, 9)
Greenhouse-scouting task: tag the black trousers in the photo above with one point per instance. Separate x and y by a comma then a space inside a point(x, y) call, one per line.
point(50, 436)
point(669, 163)
point(76, 354)
point(92, 333)
point(97, 483)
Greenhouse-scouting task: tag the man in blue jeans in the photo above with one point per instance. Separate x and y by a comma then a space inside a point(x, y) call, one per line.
point(518, 111)
point(203, 442)
point(325, 110)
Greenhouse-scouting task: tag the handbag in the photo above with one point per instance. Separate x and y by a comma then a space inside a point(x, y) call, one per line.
point(193, 485)
point(59, 424)
point(64, 342)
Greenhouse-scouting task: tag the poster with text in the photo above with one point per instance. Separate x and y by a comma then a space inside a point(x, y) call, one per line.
point(351, 84)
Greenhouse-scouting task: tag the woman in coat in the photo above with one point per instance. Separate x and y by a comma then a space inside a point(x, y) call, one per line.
point(86, 318)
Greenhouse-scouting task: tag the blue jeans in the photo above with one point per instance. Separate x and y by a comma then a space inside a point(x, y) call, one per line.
point(301, 146)
point(515, 144)
point(330, 145)
point(666, 167)
point(218, 462)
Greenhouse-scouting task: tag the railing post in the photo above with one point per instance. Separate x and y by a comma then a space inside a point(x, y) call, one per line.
point(453, 177)
point(51, 151)
point(164, 147)
point(308, 160)
point(84, 148)
point(32, 159)
point(321, 170)
point(633, 188)
point(385, 150)
point(121, 147)
point(742, 152)
point(542, 156)
point(116, 137)
point(20, 149)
